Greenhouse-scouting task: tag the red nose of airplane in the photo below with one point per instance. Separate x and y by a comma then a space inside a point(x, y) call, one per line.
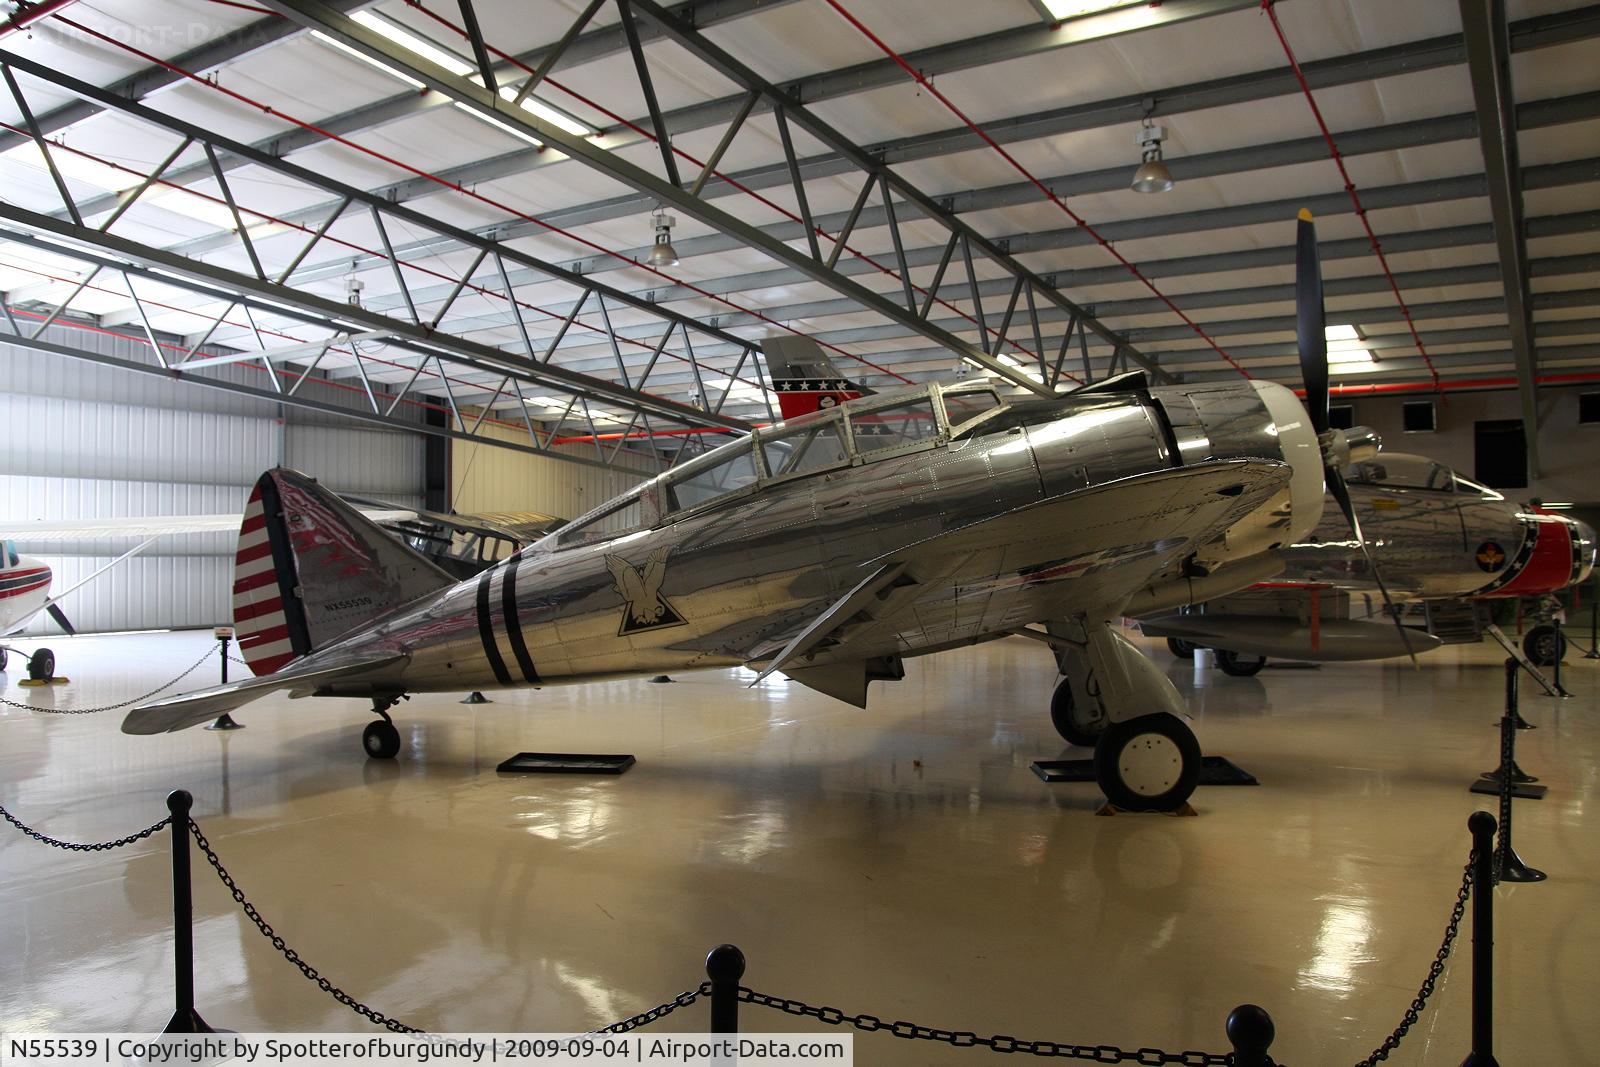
point(1563, 554)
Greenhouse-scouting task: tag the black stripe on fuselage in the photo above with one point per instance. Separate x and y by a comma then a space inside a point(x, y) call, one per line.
point(508, 607)
point(491, 649)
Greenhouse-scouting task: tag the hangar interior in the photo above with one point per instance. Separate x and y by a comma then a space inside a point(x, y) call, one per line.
point(493, 256)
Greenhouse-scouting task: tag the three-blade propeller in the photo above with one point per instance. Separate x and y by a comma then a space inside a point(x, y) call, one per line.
point(1311, 335)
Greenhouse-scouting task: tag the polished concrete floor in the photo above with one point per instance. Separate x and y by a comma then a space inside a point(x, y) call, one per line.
point(902, 861)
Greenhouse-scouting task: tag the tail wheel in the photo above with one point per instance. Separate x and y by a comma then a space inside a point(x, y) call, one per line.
point(381, 740)
point(42, 665)
point(1181, 648)
point(1151, 763)
point(1064, 716)
point(1541, 644)
point(4, 655)
point(1240, 666)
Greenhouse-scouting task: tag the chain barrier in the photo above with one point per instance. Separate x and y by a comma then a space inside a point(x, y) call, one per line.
point(1414, 1012)
point(661, 1011)
point(75, 846)
point(995, 1043)
point(111, 707)
point(288, 953)
point(1001, 1043)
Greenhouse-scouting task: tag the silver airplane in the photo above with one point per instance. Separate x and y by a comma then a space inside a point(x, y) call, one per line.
point(1437, 536)
point(832, 546)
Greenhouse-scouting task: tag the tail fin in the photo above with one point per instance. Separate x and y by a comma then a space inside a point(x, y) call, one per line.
point(805, 378)
point(311, 568)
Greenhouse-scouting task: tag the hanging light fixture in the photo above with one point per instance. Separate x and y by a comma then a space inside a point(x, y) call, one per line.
point(663, 254)
point(1152, 175)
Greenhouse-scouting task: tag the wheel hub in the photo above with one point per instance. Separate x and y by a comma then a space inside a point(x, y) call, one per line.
point(1150, 764)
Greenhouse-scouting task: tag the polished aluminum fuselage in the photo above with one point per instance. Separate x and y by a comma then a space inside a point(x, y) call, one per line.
point(1426, 543)
point(739, 574)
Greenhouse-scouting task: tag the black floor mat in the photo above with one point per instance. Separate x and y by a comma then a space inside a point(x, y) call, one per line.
point(1214, 770)
point(565, 763)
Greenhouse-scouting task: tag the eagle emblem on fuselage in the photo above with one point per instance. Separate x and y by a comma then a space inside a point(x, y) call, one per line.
point(644, 607)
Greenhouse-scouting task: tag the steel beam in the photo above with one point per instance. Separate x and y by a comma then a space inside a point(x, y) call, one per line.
point(335, 311)
point(218, 283)
point(1489, 65)
point(317, 15)
point(1529, 34)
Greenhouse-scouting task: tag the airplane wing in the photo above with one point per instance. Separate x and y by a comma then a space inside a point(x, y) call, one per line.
point(190, 709)
point(1089, 549)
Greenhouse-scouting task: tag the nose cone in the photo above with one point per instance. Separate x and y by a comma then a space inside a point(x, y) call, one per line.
point(1583, 551)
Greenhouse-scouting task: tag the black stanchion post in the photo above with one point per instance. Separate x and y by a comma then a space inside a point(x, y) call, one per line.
point(725, 966)
point(1555, 670)
point(1250, 1031)
point(1491, 782)
point(1508, 865)
point(224, 634)
point(1481, 823)
point(1594, 629)
point(185, 1020)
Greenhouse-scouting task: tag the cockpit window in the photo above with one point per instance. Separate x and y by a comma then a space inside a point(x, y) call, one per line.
point(813, 447)
point(961, 408)
point(891, 427)
point(1398, 471)
point(9, 556)
point(613, 520)
point(1471, 488)
point(731, 471)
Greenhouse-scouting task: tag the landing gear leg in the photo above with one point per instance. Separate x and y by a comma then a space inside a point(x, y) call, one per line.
point(380, 739)
point(1146, 757)
point(1078, 722)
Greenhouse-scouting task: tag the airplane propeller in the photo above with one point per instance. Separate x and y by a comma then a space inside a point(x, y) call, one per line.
point(61, 617)
point(1311, 335)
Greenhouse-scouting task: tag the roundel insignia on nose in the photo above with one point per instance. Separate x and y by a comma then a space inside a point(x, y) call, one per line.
point(1491, 557)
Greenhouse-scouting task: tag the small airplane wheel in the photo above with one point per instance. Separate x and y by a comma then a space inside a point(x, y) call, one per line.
point(1181, 648)
point(1063, 707)
point(42, 665)
point(1540, 643)
point(1151, 763)
point(1240, 666)
point(381, 740)
point(4, 655)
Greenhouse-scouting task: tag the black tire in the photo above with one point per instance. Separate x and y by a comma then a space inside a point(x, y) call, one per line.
point(42, 665)
point(381, 740)
point(1539, 645)
point(4, 655)
point(1239, 666)
point(1062, 703)
point(1181, 648)
point(1151, 763)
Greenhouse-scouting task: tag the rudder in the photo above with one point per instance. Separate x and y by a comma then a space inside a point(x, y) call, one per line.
point(310, 568)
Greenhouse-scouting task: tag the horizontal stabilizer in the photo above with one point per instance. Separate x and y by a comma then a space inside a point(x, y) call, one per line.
point(191, 709)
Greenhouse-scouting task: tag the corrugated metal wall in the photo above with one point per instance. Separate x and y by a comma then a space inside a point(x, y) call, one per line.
point(79, 440)
point(485, 478)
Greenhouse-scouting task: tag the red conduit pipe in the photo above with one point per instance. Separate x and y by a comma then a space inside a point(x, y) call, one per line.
point(329, 135)
point(1020, 169)
point(764, 201)
point(27, 16)
point(1454, 385)
point(1269, 6)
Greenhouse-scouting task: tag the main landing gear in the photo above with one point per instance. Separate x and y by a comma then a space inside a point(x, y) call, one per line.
point(1544, 645)
point(1116, 701)
point(380, 739)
